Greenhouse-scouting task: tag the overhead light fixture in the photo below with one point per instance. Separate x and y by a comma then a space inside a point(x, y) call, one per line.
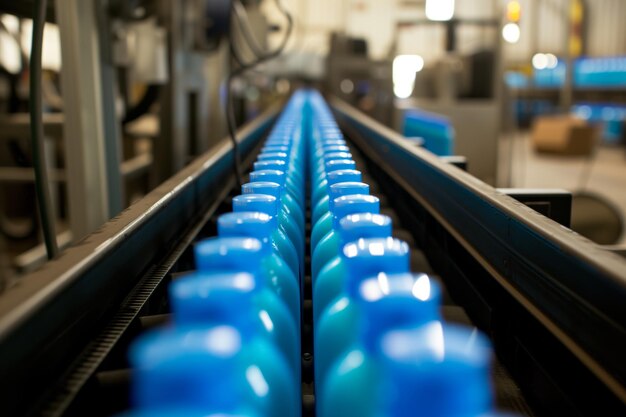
point(439, 10)
point(511, 32)
point(405, 68)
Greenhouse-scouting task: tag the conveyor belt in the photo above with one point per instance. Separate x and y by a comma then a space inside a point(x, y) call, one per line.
point(65, 331)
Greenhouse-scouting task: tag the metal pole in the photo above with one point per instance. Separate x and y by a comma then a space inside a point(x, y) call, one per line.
point(91, 137)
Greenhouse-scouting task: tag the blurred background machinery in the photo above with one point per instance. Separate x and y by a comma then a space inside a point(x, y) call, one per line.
point(145, 82)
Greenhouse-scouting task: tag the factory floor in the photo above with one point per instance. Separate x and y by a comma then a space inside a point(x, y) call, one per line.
point(604, 174)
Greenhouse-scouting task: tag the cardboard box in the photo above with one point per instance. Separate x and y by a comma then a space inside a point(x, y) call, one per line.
point(564, 135)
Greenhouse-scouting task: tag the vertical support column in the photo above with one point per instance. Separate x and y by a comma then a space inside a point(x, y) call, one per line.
point(91, 131)
point(171, 150)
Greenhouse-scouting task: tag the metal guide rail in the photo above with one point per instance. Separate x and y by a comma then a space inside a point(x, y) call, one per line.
point(64, 326)
point(553, 303)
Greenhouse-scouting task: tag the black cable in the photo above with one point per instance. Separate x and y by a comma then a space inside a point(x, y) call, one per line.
point(144, 104)
point(46, 212)
point(243, 67)
point(242, 19)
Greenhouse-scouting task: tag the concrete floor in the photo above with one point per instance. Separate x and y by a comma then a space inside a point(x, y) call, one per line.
point(520, 166)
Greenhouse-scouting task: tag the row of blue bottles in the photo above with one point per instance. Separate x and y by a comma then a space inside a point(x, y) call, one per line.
point(381, 347)
point(233, 348)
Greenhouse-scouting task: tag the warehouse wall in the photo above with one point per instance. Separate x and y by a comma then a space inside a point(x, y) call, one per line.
point(543, 26)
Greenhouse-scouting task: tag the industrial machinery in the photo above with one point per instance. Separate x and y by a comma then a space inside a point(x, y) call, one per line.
point(551, 301)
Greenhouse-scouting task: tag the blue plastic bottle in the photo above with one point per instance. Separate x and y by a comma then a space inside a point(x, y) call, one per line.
point(334, 177)
point(287, 203)
point(222, 365)
point(320, 184)
point(290, 186)
point(293, 208)
point(386, 303)
point(445, 372)
point(264, 228)
point(194, 302)
point(259, 225)
point(291, 165)
point(335, 191)
point(363, 259)
point(279, 165)
point(331, 280)
point(318, 155)
point(255, 256)
point(287, 230)
point(320, 171)
point(340, 208)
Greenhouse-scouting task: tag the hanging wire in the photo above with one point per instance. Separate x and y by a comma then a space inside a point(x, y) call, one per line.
point(260, 57)
point(46, 211)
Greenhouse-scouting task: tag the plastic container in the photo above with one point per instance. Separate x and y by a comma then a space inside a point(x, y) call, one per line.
point(340, 208)
point(320, 184)
point(287, 232)
point(337, 190)
point(255, 256)
point(331, 280)
point(279, 165)
point(386, 303)
point(203, 298)
point(265, 228)
point(445, 372)
point(363, 259)
point(324, 206)
point(279, 176)
point(289, 205)
point(224, 364)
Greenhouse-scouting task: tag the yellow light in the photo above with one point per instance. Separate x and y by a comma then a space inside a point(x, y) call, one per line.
point(513, 11)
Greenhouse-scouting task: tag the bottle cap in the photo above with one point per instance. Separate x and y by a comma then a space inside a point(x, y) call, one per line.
point(282, 156)
point(275, 164)
point(262, 187)
point(369, 257)
point(333, 141)
point(252, 224)
point(337, 155)
point(441, 369)
point(352, 204)
point(338, 164)
point(346, 188)
point(363, 226)
point(256, 202)
point(396, 301)
point(271, 175)
point(335, 149)
point(270, 148)
point(343, 175)
point(224, 254)
point(207, 298)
